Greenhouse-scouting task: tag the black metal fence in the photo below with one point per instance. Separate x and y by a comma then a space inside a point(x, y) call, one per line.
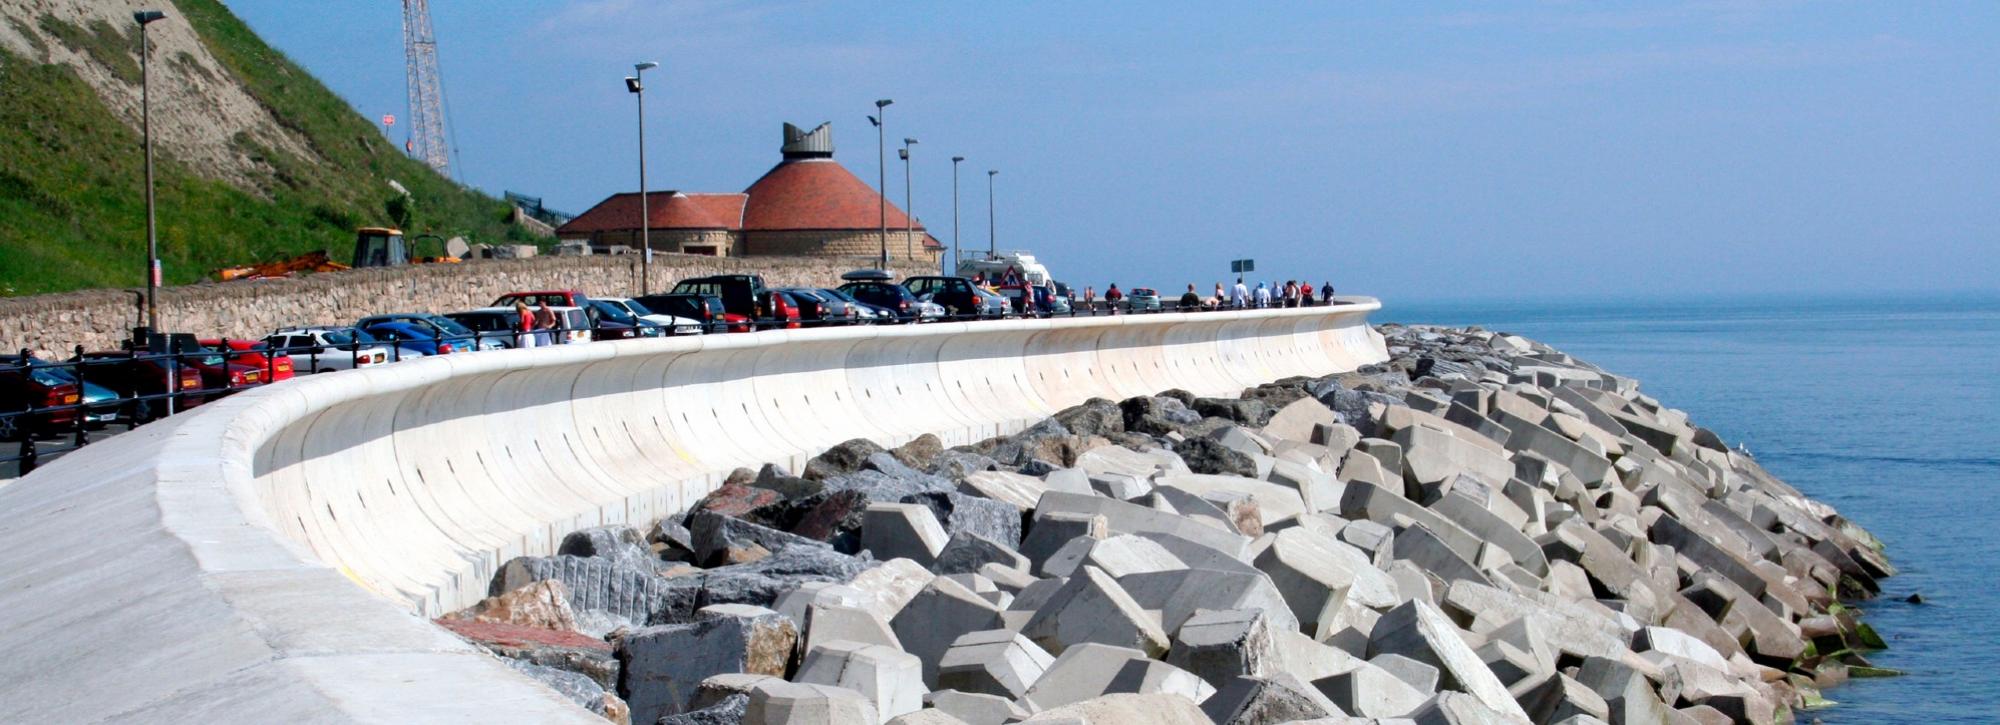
point(49, 407)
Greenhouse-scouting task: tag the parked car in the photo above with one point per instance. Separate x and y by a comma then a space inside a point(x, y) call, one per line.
point(897, 301)
point(992, 305)
point(100, 403)
point(537, 298)
point(252, 353)
point(670, 323)
point(818, 309)
point(25, 387)
point(613, 322)
point(705, 309)
point(325, 349)
point(420, 339)
point(1065, 300)
point(1143, 299)
point(441, 329)
point(501, 325)
point(864, 313)
point(741, 294)
point(777, 310)
point(146, 380)
point(959, 296)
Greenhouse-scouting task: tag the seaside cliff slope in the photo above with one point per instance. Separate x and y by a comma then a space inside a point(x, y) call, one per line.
point(255, 159)
point(1482, 529)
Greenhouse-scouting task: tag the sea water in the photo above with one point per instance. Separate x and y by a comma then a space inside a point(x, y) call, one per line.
point(1887, 408)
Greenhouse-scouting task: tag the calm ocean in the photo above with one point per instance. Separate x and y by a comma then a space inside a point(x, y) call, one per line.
point(1888, 409)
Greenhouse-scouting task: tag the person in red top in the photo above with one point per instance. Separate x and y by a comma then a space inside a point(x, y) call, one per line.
point(1112, 297)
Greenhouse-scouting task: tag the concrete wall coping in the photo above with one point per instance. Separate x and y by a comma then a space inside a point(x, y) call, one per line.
point(226, 564)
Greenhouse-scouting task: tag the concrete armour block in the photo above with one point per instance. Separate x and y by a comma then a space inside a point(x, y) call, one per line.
point(890, 678)
point(830, 622)
point(902, 530)
point(926, 717)
point(1558, 697)
point(994, 662)
point(967, 552)
point(1178, 594)
point(1052, 531)
point(891, 585)
point(1312, 578)
point(1126, 709)
point(1419, 545)
point(1278, 698)
point(1422, 677)
point(1628, 695)
point(938, 616)
point(663, 667)
point(778, 702)
point(1457, 708)
point(1219, 646)
point(1419, 631)
point(1080, 673)
point(978, 708)
point(1092, 607)
point(1371, 691)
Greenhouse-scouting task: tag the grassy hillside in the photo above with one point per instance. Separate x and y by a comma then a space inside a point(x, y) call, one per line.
point(72, 210)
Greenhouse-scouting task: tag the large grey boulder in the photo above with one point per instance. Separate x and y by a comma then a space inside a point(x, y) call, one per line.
point(1269, 700)
point(1092, 670)
point(664, 666)
point(1312, 578)
point(1178, 594)
point(902, 531)
point(1219, 646)
point(967, 553)
point(937, 616)
point(1126, 709)
point(1092, 607)
point(1419, 631)
point(628, 591)
point(778, 702)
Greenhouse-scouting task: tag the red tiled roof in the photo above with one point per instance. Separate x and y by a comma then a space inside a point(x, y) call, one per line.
point(812, 194)
point(669, 210)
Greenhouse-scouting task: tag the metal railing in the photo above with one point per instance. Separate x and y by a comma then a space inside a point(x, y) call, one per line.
point(45, 416)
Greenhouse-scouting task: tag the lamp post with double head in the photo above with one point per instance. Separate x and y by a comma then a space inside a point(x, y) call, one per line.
point(145, 18)
point(637, 87)
point(882, 176)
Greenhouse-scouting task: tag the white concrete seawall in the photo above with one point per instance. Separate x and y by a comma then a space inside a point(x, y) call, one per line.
point(265, 557)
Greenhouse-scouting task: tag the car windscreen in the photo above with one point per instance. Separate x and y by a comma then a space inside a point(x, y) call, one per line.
point(638, 308)
point(449, 326)
point(612, 312)
point(486, 322)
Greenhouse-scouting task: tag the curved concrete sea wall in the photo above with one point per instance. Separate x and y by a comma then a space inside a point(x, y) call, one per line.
point(263, 557)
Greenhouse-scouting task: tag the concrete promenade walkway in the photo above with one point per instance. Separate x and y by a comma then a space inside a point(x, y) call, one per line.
point(276, 555)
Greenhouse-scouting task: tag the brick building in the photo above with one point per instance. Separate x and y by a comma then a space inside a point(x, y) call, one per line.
point(806, 205)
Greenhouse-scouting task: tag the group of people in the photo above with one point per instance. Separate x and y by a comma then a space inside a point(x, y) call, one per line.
point(1292, 293)
point(537, 327)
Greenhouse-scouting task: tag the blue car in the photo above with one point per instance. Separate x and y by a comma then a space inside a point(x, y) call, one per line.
point(437, 327)
point(410, 337)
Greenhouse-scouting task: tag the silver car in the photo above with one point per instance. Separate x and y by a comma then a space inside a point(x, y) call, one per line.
point(325, 349)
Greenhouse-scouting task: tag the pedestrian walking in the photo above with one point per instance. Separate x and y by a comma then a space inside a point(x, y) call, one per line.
point(545, 326)
point(1326, 293)
point(1239, 296)
point(1305, 294)
point(1090, 298)
point(1291, 293)
point(1263, 296)
point(1220, 298)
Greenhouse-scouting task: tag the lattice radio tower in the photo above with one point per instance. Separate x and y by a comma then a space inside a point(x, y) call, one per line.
point(427, 125)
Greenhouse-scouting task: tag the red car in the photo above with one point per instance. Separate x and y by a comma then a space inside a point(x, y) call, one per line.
point(251, 352)
point(141, 374)
point(26, 387)
point(537, 298)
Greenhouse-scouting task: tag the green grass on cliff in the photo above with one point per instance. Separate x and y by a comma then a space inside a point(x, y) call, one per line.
point(72, 209)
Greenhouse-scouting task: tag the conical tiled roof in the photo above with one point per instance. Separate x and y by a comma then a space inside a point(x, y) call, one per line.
point(814, 194)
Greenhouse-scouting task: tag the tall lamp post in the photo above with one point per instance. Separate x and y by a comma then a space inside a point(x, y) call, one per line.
point(638, 90)
point(145, 18)
point(992, 243)
point(955, 255)
point(882, 176)
point(909, 207)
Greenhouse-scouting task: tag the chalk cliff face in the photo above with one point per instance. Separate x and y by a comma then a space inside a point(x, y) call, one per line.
point(202, 113)
point(256, 160)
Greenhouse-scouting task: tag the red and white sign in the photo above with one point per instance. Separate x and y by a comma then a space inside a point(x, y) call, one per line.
point(388, 119)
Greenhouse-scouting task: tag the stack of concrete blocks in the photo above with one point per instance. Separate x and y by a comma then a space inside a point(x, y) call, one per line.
point(1542, 545)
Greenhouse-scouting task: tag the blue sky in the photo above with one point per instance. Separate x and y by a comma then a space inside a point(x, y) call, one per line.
point(1421, 151)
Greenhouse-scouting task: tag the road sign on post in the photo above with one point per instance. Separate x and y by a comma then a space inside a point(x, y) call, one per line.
point(1239, 266)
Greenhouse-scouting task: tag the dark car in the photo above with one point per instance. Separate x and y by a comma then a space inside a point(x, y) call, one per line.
point(439, 328)
point(25, 387)
point(706, 308)
point(100, 402)
point(778, 310)
point(612, 322)
point(864, 313)
point(501, 325)
point(417, 338)
point(819, 309)
point(898, 301)
point(740, 293)
point(146, 379)
point(960, 298)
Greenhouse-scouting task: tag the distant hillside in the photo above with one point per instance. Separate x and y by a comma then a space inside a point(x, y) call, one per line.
point(254, 158)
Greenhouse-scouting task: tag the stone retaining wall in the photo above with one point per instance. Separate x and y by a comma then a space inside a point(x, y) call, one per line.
point(100, 319)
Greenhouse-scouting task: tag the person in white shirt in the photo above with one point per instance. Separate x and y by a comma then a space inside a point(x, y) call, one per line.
point(1239, 297)
point(1263, 295)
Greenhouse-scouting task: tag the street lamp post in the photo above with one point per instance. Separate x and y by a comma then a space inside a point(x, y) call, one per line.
point(956, 259)
point(144, 18)
point(882, 176)
point(637, 87)
point(909, 207)
point(992, 242)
